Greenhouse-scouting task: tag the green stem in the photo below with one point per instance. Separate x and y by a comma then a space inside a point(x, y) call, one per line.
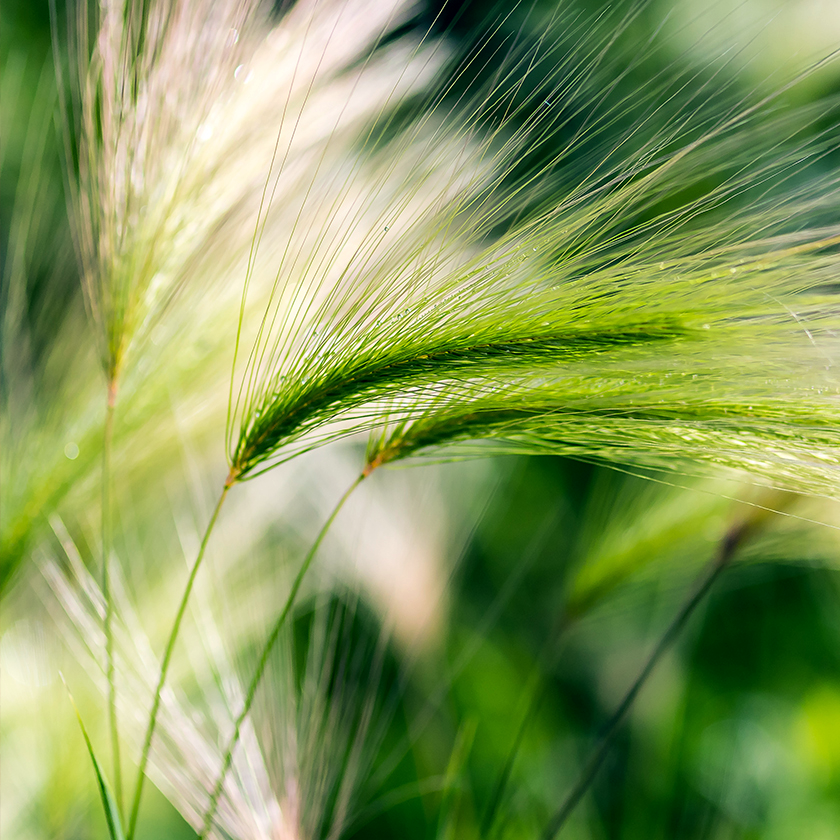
point(498, 792)
point(167, 657)
point(213, 803)
point(724, 557)
point(107, 541)
point(546, 660)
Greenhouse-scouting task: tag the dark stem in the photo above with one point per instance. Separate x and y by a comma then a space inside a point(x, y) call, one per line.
point(107, 541)
point(724, 557)
point(167, 657)
point(213, 803)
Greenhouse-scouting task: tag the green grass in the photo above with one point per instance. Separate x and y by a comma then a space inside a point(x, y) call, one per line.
point(508, 245)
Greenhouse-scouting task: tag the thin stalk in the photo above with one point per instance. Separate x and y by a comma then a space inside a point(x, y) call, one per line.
point(167, 657)
point(547, 659)
point(213, 803)
point(726, 552)
point(107, 540)
point(537, 693)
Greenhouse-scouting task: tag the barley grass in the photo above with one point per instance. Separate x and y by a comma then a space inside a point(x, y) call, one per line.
point(452, 355)
point(534, 263)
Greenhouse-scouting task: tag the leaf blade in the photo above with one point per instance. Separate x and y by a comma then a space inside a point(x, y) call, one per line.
point(112, 814)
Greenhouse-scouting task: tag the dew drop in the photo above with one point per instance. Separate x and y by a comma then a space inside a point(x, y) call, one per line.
point(71, 450)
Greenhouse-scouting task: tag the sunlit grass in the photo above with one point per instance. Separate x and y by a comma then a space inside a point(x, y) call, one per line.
point(511, 250)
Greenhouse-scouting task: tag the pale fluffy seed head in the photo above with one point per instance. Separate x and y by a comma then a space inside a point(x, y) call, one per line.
point(177, 111)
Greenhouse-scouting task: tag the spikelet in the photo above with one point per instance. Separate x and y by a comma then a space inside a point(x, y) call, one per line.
point(673, 300)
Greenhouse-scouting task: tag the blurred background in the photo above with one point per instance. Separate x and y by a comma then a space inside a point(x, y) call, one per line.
point(475, 622)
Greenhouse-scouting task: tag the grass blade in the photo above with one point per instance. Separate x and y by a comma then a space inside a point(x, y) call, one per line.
point(112, 815)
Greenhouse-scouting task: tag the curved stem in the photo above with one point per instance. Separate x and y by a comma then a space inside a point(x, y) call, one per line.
point(213, 803)
point(167, 657)
point(107, 541)
point(724, 557)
